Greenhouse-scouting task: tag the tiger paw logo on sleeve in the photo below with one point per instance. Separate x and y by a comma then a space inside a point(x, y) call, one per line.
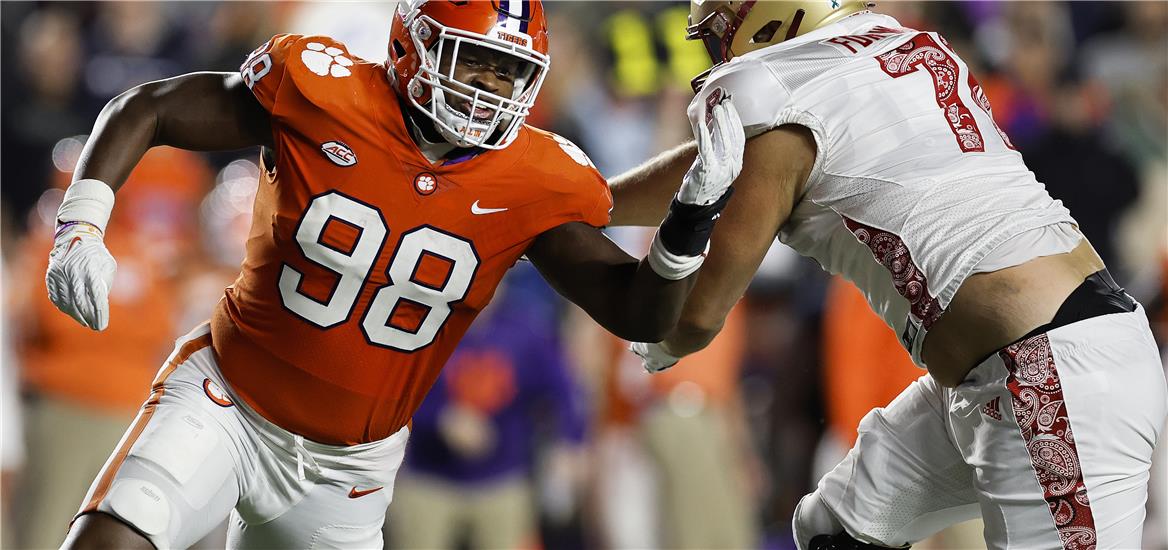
point(326, 61)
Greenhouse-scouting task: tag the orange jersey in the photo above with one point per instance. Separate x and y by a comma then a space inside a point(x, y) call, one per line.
point(864, 365)
point(366, 263)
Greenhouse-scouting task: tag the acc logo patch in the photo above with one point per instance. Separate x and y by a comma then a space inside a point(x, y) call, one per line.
point(425, 183)
point(339, 153)
point(216, 394)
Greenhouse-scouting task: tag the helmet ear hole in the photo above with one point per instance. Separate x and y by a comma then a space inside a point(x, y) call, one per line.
point(766, 33)
point(398, 49)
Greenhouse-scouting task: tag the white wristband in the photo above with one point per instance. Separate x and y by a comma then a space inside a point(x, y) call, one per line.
point(672, 266)
point(90, 201)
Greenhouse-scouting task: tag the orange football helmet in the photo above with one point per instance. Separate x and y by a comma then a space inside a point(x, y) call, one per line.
point(424, 32)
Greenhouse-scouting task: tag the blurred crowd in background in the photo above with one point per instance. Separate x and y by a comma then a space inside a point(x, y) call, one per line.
point(542, 431)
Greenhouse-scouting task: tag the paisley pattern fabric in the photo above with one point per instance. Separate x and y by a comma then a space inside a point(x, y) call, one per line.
point(1042, 417)
point(910, 281)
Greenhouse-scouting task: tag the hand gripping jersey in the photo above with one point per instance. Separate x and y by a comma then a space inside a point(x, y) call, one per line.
point(913, 182)
point(366, 263)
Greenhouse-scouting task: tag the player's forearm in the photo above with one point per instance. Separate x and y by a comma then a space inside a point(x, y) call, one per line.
point(691, 336)
point(641, 196)
point(650, 307)
point(632, 301)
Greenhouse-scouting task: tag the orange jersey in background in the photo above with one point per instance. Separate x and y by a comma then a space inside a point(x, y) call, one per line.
point(366, 263)
point(151, 233)
point(864, 364)
point(717, 368)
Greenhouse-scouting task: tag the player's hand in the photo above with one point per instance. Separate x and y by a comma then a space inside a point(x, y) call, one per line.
point(653, 356)
point(721, 141)
point(681, 243)
point(80, 274)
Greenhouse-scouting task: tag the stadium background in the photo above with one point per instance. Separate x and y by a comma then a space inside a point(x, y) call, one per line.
point(542, 430)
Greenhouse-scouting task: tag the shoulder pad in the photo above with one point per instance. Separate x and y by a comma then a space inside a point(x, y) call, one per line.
point(303, 62)
point(758, 96)
point(570, 174)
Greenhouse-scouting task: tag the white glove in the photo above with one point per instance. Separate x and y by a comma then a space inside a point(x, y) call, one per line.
point(653, 356)
point(81, 270)
point(721, 141)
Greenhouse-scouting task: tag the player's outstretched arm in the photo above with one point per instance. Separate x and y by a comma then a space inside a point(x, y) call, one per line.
point(621, 293)
point(775, 167)
point(198, 111)
point(642, 300)
point(641, 196)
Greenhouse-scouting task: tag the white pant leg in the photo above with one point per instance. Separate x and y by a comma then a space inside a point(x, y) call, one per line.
point(1118, 402)
point(175, 475)
point(1060, 429)
point(902, 481)
point(310, 495)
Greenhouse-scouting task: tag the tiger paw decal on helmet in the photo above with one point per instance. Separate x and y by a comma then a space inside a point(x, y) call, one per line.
point(326, 61)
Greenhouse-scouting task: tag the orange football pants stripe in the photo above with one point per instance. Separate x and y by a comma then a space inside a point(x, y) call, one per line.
point(157, 389)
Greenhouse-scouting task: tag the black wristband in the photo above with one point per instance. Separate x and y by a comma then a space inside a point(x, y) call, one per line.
point(686, 228)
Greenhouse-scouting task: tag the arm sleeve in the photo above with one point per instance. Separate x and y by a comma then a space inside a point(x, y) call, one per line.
point(758, 96)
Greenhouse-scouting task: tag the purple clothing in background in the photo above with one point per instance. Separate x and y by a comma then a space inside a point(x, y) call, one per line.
point(511, 367)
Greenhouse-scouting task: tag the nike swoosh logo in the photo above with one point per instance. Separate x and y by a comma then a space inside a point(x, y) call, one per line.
point(354, 493)
point(474, 209)
point(72, 243)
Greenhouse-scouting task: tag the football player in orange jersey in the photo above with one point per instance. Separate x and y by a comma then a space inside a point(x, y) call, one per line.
point(393, 199)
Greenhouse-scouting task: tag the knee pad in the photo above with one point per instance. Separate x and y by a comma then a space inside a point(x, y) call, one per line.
point(176, 482)
point(142, 505)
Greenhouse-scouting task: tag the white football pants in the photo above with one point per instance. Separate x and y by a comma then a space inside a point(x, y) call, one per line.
point(1001, 444)
point(196, 453)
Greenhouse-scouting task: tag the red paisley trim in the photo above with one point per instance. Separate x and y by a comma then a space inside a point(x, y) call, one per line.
point(922, 52)
point(909, 280)
point(1041, 412)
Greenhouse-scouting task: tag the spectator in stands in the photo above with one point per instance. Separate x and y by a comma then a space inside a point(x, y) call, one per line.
point(474, 442)
point(41, 104)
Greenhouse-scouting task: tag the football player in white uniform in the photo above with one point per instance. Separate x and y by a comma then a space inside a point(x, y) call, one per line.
point(873, 150)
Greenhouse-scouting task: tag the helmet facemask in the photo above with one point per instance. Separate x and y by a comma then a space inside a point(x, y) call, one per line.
point(463, 114)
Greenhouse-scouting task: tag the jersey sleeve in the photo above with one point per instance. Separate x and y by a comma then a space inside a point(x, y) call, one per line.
point(293, 74)
point(264, 70)
point(593, 199)
point(758, 96)
point(583, 190)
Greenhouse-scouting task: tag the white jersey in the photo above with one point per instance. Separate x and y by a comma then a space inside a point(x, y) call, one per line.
point(913, 182)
